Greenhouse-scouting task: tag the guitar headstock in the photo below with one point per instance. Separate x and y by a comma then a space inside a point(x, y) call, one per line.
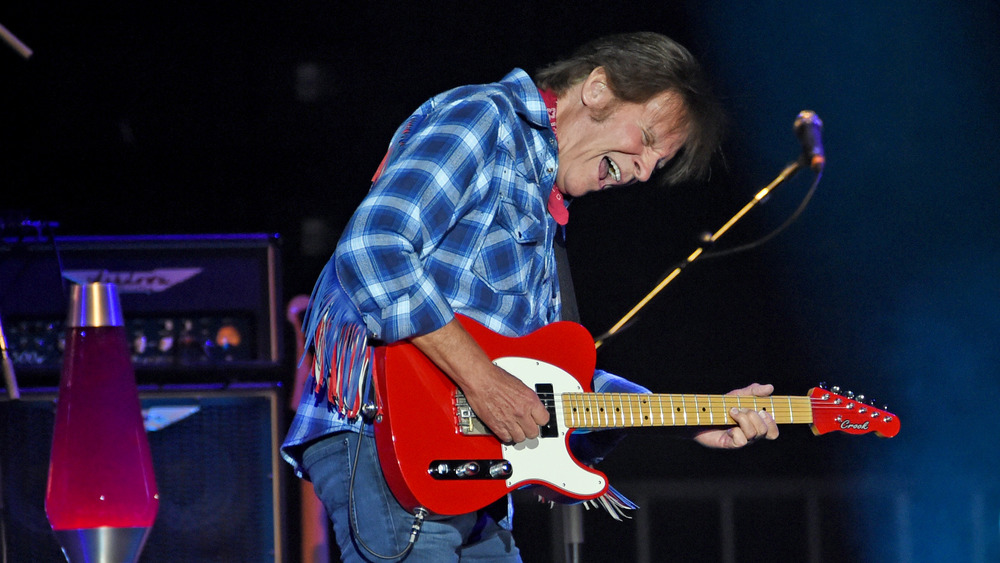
point(847, 413)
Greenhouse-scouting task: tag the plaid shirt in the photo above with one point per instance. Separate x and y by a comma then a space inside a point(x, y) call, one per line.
point(455, 223)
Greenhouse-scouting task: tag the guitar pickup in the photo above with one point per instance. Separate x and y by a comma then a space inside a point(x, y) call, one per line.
point(466, 421)
point(547, 396)
point(469, 469)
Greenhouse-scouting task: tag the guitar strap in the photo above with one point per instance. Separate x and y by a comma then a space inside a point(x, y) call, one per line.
point(589, 444)
point(570, 311)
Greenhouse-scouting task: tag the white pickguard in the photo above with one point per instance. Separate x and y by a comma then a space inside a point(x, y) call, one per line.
point(547, 459)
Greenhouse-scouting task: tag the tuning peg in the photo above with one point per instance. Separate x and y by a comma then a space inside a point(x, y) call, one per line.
point(835, 389)
point(850, 394)
point(822, 385)
point(861, 398)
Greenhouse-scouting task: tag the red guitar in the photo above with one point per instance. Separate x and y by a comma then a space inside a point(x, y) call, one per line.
point(436, 454)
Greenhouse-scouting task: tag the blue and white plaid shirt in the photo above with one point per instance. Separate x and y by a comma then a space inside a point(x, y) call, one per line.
point(456, 223)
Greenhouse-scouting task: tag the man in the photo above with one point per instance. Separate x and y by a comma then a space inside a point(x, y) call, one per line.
point(461, 218)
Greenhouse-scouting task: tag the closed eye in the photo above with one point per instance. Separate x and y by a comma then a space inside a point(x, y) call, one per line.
point(647, 139)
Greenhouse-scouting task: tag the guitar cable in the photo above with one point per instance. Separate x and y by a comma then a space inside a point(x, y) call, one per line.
point(420, 514)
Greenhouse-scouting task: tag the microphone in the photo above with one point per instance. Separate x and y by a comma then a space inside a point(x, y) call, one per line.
point(807, 128)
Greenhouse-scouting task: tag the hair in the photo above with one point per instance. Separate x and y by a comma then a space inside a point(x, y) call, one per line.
point(640, 66)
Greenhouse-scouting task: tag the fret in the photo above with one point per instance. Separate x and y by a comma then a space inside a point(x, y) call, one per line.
point(601, 404)
point(580, 409)
point(596, 407)
point(637, 416)
point(601, 411)
point(594, 410)
point(647, 404)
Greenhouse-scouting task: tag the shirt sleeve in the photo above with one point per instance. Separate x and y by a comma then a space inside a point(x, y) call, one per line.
point(433, 177)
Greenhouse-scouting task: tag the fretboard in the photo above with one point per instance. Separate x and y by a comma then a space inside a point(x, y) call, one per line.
point(632, 410)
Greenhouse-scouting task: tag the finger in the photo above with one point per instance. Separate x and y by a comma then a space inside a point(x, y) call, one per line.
point(750, 423)
point(754, 389)
point(737, 438)
point(517, 434)
point(540, 415)
point(530, 430)
point(772, 426)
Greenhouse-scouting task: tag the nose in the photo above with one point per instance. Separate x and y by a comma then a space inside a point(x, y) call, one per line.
point(645, 164)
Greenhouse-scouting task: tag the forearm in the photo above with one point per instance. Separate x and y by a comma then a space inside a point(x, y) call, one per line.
point(507, 406)
point(457, 354)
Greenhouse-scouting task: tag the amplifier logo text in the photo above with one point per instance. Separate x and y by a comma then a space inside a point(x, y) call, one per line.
point(152, 281)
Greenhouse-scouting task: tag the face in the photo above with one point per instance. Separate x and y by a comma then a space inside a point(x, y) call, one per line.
point(625, 145)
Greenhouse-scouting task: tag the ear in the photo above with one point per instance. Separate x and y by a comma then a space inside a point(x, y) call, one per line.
point(595, 94)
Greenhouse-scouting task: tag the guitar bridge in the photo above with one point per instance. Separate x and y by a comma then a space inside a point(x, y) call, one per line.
point(466, 420)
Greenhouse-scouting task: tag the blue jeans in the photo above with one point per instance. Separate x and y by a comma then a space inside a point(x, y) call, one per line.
point(381, 523)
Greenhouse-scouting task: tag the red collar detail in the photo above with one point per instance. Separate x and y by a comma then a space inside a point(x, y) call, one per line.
point(556, 203)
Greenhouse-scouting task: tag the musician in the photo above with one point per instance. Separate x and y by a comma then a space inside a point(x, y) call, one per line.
point(462, 218)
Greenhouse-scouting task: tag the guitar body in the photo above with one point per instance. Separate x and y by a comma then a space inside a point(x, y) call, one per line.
point(430, 456)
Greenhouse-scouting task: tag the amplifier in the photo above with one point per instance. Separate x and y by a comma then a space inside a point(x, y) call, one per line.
point(219, 475)
point(196, 307)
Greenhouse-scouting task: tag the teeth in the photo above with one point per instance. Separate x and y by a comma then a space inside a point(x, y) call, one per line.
point(615, 171)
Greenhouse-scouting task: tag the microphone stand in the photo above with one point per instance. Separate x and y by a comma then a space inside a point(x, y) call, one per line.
point(785, 174)
point(9, 378)
point(14, 43)
point(13, 393)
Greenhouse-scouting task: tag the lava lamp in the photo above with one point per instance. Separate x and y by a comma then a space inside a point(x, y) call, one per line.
point(101, 499)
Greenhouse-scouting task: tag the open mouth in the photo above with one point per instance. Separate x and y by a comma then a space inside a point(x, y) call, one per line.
point(611, 169)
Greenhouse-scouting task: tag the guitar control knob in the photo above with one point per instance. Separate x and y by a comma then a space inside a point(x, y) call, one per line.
point(467, 469)
point(501, 470)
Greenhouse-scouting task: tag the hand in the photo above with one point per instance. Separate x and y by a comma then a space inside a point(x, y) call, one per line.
point(511, 409)
point(750, 425)
point(502, 402)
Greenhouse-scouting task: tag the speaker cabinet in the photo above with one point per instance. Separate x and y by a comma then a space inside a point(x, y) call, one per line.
point(215, 456)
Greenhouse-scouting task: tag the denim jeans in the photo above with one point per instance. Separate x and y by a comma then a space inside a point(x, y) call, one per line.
point(381, 524)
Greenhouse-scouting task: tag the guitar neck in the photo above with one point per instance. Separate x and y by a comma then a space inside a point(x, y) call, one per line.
point(634, 410)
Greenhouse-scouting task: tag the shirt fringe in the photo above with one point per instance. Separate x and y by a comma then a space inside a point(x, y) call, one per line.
point(338, 339)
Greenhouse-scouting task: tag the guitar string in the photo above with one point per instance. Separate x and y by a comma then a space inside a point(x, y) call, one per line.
point(799, 410)
point(813, 403)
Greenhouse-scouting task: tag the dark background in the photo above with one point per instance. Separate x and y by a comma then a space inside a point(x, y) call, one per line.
point(270, 117)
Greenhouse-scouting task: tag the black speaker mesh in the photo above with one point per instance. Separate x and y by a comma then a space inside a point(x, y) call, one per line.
point(219, 500)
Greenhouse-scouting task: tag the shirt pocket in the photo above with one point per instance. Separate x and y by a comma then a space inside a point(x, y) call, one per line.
point(506, 259)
